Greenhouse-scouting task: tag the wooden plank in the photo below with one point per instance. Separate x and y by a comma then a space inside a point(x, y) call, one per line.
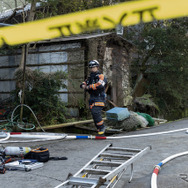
point(66, 124)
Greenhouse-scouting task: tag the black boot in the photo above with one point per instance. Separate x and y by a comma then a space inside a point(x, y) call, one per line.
point(101, 131)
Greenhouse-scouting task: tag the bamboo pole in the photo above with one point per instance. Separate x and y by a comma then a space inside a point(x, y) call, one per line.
point(23, 82)
point(66, 124)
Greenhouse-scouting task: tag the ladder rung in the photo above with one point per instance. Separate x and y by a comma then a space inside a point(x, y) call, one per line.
point(96, 171)
point(123, 149)
point(115, 155)
point(120, 158)
point(82, 181)
point(106, 163)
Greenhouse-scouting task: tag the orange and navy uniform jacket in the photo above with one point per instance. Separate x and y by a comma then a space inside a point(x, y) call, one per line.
point(96, 83)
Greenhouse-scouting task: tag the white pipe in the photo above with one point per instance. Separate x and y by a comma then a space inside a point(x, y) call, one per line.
point(36, 140)
point(94, 137)
point(6, 138)
point(158, 167)
point(174, 156)
point(148, 134)
point(36, 137)
point(154, 177)
point(129, 136)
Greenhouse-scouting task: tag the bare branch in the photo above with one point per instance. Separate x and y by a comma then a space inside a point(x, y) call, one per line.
point(16, 4)
point(8, 5)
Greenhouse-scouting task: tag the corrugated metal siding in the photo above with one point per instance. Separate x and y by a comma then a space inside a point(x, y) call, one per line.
point(68, 57)
point(6, 87)
point(46, 58)
point(6, 73)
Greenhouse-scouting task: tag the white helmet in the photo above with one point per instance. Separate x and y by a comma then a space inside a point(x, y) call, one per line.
point(93, 63)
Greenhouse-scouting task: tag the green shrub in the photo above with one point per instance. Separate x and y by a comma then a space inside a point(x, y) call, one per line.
point(41, 94)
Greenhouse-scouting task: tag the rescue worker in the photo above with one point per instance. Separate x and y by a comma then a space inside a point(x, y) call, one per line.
point(95, 86)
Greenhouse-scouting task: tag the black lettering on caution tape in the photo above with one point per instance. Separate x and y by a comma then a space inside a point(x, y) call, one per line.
point(141, 13)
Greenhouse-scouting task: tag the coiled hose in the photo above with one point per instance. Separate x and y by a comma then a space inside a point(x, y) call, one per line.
point(18, 124)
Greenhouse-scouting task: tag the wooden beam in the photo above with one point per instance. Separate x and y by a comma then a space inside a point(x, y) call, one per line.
point(66, 124)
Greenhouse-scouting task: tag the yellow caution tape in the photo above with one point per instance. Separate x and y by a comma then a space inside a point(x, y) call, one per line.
point(125, 14)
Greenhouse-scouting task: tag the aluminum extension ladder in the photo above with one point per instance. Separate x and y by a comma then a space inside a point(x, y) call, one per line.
point(105, 169)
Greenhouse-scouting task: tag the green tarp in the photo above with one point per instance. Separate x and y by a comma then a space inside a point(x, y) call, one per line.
point(148, 118)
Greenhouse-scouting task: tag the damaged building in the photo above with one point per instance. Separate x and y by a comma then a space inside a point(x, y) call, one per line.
point(71, 55)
